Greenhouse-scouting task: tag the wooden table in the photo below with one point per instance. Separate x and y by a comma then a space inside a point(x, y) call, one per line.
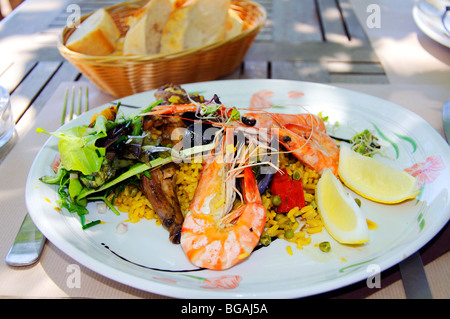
point(324, 41)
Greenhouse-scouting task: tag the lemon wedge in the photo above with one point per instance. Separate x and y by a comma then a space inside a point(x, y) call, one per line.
point(375, 180)
point(340, 214)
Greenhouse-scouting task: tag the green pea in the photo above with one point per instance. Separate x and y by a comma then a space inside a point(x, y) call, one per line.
point(296, 175)
point(133, 192)
point(325, 246)
point(265, 240)
point(288, 234)
point(276, 200)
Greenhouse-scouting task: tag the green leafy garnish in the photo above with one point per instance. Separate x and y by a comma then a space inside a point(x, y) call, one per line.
point(323, 117)
point(365, 143)
point(235, 115)
point(77, 146)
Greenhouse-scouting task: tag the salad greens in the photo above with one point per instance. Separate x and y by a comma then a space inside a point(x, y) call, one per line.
point(99, 158)
point(77, 146)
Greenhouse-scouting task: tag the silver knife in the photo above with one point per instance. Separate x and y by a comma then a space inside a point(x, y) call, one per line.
point(27, 246)
point(414, 279)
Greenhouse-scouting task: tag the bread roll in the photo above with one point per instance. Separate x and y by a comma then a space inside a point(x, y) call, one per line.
point(234, 24)
point(97, 35)
point(146, 27)
point(195, 23)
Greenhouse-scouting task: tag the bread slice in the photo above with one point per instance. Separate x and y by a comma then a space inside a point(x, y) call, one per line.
point(97, 35)
point(195, 23)
point(235, 25)
point(146, 27)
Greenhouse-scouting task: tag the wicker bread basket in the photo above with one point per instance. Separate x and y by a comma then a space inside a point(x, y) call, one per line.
point(126, 75)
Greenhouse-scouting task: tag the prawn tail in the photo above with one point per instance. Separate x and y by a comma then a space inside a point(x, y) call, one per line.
point(172, 109)
point(250, 187)
point(313, 148)
point(221, 243)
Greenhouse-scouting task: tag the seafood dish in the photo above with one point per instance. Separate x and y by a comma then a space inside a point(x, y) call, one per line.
point(258, 172)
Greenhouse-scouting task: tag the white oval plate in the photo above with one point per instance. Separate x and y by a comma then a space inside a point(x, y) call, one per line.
point(144, 258)
point(431, 26)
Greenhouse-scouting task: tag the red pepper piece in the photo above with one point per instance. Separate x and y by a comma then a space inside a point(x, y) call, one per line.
point(289, 190)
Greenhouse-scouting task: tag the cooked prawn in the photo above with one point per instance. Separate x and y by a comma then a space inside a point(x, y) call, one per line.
point(314, 148)
point(263, 119)
point(270, 120)
point(302, 134)
point(211, 237)
point(172, 109)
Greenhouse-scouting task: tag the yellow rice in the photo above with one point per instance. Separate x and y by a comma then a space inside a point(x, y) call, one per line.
point(132, 201)
point(187, 180)
point(303, 221)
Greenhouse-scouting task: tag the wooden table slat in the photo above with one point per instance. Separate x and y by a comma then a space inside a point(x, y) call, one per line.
point(255, 70)
point(311, 51)
point(15, 74)
point(66, 72)
point(300, 71)
point(354, 68)
point(332, 22)
point(359, 78)
point(31, 87)
point(354, 29)
point(296, 21)
point(4, 65)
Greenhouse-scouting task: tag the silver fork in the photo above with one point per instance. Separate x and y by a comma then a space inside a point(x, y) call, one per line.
point(72, 103)
point(29, 241)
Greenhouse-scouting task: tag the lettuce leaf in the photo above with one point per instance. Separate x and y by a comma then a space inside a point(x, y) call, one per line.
point(132, 171)
point(139, 168)
point(77, 146)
